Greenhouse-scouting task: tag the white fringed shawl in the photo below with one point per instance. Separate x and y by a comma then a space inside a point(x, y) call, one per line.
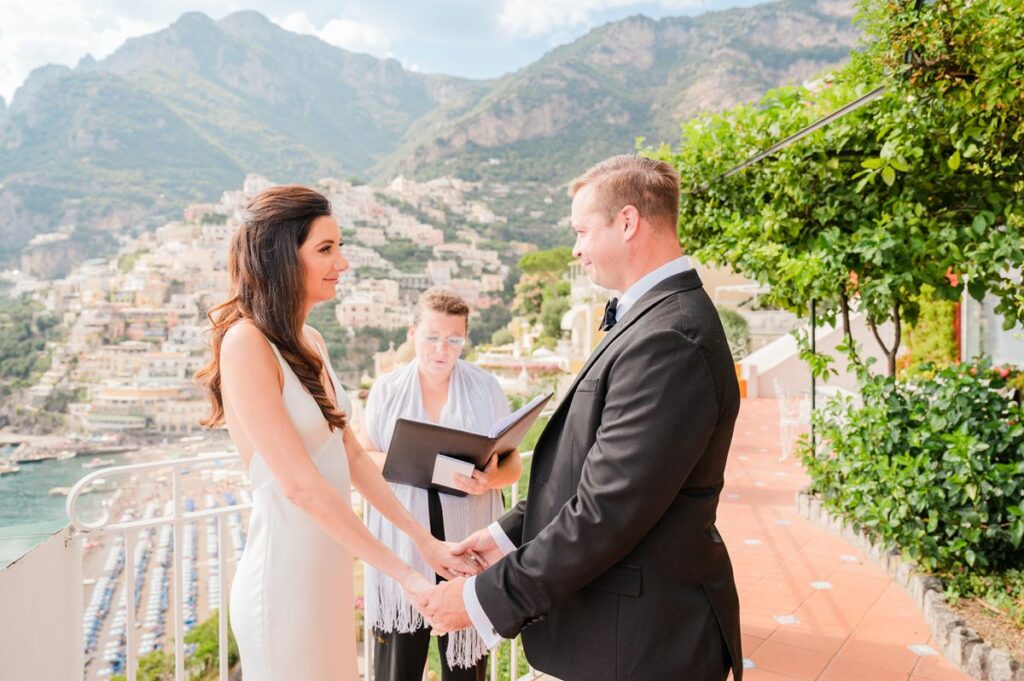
point(475, 402)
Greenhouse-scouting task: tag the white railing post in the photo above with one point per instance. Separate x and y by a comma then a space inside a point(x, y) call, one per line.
point(129, 604)
point(367, 648)
point(222, 609)
point(179, 628)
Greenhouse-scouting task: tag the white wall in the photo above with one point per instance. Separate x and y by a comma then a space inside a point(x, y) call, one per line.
point(780, 360)
point(983, 332)
point(41, 612)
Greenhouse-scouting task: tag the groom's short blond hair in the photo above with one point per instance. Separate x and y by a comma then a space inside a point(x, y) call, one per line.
point(651, 186)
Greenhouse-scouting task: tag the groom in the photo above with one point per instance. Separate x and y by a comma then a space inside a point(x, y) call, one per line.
point(613, 568)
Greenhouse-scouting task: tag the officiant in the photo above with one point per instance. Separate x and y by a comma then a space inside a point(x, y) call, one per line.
point(436, 387)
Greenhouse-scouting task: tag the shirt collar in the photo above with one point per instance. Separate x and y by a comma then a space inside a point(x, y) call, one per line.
point(649, 281)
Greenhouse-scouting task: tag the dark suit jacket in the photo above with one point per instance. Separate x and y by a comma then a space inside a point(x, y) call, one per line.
point(620, 572)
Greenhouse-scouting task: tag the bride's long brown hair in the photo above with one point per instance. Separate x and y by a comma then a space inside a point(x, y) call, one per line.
point(267, 289)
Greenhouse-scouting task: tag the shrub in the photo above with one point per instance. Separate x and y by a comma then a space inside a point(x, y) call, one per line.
point(1003, 592)
point(737, 331)
point(502, 337)
point(201, 664)
point(933, 465)
point(932, 338)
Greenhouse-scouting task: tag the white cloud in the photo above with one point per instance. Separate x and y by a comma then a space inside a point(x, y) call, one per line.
point(298, 22)
point(59, 32)
point(38, 32)
point(450, 36)
point(529, 18)
point(345, 33)
point(532, 18)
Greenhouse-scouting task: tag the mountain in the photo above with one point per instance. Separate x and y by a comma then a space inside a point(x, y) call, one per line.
point(636, 77)
point(182, 114)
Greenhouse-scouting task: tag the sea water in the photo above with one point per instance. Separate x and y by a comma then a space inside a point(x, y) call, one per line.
point(29, 513)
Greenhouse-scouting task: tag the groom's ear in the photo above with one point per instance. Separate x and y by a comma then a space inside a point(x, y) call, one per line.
point(410, 333)
point(630, 221)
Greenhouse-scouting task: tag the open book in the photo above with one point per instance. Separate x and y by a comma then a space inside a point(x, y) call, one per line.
point(417, 448)
point(506, 422)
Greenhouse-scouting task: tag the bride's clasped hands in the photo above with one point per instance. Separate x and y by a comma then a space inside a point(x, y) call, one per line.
point(451, 561)
point(442, 605)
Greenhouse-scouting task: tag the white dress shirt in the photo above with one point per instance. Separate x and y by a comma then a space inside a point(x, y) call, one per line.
point(649, 281)
point(480, 620)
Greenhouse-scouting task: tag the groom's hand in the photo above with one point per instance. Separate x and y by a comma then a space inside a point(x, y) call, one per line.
point(444, 609)
point(481, 546)
point(446, 561)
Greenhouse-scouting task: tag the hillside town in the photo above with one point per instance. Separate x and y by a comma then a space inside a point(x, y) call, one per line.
point(134, 323)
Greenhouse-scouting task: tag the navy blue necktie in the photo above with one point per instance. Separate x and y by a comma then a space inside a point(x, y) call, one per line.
point(609, 314)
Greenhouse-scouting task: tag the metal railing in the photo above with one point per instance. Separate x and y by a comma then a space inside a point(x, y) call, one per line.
point(178, 519)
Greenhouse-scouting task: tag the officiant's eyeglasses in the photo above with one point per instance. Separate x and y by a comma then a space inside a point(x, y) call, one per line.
point(451, 341)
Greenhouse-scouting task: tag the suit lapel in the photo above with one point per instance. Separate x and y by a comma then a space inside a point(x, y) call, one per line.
point(684, 281)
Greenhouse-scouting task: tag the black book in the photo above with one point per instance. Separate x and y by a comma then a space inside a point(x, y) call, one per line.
point(417, 446)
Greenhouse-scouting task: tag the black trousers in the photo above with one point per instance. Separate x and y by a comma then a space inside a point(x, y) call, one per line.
point(401, 657)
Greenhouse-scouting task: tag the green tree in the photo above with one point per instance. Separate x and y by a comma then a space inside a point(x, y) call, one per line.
point(205, 660)
point(24, 331)
point(213, 219)
point(336, 338)
point(406, 255)
point(487, 322)
point(932, 339)
point(552, 310)
point(737, 331)
point(553, 261)
point(201, 665)
point(59, 400)
point(875, 209)
point(126, 262)
point(502, 337)
point(542, 270)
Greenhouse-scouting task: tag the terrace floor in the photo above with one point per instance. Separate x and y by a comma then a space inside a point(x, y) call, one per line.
point(812, 606)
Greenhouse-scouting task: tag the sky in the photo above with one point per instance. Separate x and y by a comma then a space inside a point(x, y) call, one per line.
point(469, 38)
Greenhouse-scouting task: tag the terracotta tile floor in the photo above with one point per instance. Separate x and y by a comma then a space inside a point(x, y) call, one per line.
point(812, 606)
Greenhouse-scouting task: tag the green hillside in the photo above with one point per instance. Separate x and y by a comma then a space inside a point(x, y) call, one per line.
point(183, 114)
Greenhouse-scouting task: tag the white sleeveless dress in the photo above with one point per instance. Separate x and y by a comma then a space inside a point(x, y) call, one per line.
point(292, 609)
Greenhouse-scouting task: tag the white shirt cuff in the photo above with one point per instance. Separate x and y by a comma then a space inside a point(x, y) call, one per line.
point(477, 616)
point(501, 539)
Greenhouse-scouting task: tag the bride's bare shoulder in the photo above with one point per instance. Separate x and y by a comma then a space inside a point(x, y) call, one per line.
point(243, 339)
point(246, 355)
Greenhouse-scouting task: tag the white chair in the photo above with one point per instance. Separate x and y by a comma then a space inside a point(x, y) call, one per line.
point(794, 415)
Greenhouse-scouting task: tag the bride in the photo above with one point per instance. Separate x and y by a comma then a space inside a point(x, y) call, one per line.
point(271, 381)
